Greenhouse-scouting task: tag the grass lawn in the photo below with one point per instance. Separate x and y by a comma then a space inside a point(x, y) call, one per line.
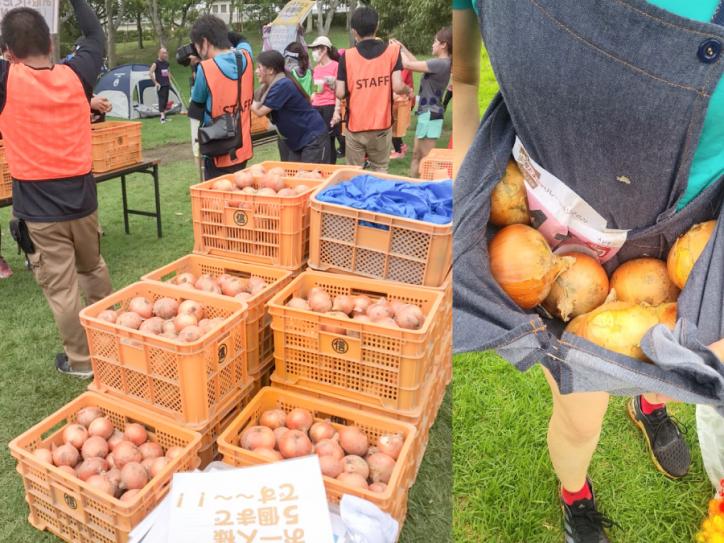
point(32, 389)
point(504, 487)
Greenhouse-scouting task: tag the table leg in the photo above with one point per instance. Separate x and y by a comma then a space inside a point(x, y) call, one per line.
point(125, 203)
point(158, 201)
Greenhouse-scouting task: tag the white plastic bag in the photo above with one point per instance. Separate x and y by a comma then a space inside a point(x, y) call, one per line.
point(710, 427)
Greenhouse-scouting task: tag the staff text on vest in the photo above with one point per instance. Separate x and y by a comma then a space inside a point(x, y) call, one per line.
point(369, 82)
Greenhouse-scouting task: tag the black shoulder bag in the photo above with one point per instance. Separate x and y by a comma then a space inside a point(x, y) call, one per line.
point(223, 135)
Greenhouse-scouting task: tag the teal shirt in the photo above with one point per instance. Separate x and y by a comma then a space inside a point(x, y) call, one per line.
point(466, 4)
point(708, 163)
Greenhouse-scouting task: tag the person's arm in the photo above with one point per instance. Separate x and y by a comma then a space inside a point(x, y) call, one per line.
point(88, 59)
point(398, 84)
point(337, 115)
point(199, 96)
point(340, 90)
point(466, 79)
point(260, 109)
point(152, 74)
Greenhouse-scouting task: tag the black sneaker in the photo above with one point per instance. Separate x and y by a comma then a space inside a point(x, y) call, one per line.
point(582, 523)
point(64, 367)
point(340, 153)
point(668, 448)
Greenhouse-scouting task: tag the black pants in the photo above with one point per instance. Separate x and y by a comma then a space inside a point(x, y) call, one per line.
point(316, 152)
point(397, 144)
point(327, 112)
point(163, 98)
point(211, 171)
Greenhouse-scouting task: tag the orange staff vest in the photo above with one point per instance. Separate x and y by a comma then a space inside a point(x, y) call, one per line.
point(223, 98)
point(46, 124)
point(369, 89)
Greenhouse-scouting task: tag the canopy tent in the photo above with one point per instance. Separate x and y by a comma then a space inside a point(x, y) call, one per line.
point(133, 94)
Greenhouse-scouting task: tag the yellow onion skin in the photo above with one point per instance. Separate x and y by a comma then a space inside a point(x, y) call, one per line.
point(644, 280)
point(666, 314)
point(509, 201)
point(523, 264)
point(580, 289)
point(617, 326)
point(686, 250)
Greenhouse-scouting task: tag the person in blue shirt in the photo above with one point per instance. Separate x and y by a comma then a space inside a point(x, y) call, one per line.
point(304, 133)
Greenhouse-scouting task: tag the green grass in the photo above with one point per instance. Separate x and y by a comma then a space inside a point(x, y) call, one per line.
point(504, 487)
point(32, 389)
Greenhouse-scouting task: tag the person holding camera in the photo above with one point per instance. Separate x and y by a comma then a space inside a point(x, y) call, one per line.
point(161, 77)
point(45, 121)
point(221, 97)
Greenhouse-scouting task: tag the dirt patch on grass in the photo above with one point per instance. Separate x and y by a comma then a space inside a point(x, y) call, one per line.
point(173, 152)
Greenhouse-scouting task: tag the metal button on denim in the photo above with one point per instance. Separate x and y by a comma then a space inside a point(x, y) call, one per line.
point(709, 50)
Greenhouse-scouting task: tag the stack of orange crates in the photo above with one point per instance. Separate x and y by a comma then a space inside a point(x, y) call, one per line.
point(6, 181)
point(438, 164)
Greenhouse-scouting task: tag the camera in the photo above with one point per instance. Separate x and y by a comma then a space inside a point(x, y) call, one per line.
point(184, 54)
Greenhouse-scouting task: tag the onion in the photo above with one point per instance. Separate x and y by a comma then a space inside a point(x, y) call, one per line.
point(233, 286)
point(356, 464)
point(353, 440)
point(255, 437)
point(300, 419)
point(43, 454)
point(266, 191)
point(273, 418)
point(222, 184)
point(135, 433)
point(381, 467)
point(129, 319)
point(75, 434)
point(166, 308)
point(287, 192)
point(616, 326)
point(644, 280)
point(391, 444)
point(147, 463)
point(361, 303)
point(579, 289)
point(111, 461)
point(295, 443)
point(269, 454)
point(129, 495)
point(248, 190)
point(277, 170)
point(68, 470)
point(523, 264)
point(686, 251)
point(101, 484)
point(183, 320)
point(335, 329)
point(361, 317)
point(174, 452)
point(190, 334)
point(319, 301)
point(387, 322)
point(91, 466)
point(243, 296)
point(243, 179)
point(142, 306)
point(278, 433)
point(667, 314)
point(509, 202)
point(321, 430)
point(299, 303)
point(354, 480)
point(108, 315)
point(257, 171)
point(331, 466)
point(718, 349)
point(94, 447)
point(191, 307)
point(301, 189)
point(256, 285)
point(87, 415)
point(125, 453)
point(115, 439)
point(410, 317)
point(207, 284)
point(154, 325)
point(380, 310)
point(343, 303)
point(65, 455)
point(329, 447)
point(133, 475)
point(184, 278)
point(150, 449)
point(158, 464)
point(378, 487)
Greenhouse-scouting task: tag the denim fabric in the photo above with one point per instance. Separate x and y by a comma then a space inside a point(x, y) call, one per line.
point(597, 91)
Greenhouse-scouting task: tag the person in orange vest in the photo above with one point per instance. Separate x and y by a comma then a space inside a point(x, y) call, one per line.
point(367, 76)
point(45, 123)
point(215, 88)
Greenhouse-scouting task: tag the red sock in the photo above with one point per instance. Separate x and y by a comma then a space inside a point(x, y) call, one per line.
point(649, 408)
point(583, 494)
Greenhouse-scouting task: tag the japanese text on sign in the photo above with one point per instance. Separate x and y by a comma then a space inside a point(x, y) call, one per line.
point(283, 502)
point(47, 8)
point(294, 12)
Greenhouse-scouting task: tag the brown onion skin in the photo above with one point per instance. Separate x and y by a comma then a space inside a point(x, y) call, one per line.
point(644, 280)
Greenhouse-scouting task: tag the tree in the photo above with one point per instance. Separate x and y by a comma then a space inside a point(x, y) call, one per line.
point(325, 23)
point(413, 22)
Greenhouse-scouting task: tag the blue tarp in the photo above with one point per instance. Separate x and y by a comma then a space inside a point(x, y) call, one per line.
point(430, 202)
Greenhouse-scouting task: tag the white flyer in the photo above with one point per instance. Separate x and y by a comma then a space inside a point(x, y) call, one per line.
point(566, 221)
point(47, 8)
point(282, 502)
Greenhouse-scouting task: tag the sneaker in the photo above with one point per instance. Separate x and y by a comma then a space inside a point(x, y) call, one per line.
point(667, 446)
point(5, 270)
point(582, 523)
point(340, 153)
point(63, 366)
point(163, 121)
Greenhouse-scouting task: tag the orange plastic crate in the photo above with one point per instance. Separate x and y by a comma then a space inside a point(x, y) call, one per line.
point(116, 144)
point(438, 164)
point(371, 364)
point(392, 501)
point(262, 378)
point(69, 507)
point(187, 382)
point(260, 340)
point(447, 329)
point(406, 250)
point(6, 180)
point(259, 124)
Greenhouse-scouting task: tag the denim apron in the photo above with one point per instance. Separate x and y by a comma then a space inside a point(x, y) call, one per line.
point(596, 91)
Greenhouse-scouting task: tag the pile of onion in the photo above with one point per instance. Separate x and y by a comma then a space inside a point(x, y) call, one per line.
point(361, 308)
point(579, 289)
point(312, 174)
point(686, 250)
point(344, 451)
point(241, 288)
point(116, 463)
point(256, 180)
point(165, 317)
point(509, 202)
point(523, 264)
point(644, 280)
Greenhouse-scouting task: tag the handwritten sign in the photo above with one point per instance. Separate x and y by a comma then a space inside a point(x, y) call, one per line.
point(282, 502)
point(294, 12)
point(47, 8)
